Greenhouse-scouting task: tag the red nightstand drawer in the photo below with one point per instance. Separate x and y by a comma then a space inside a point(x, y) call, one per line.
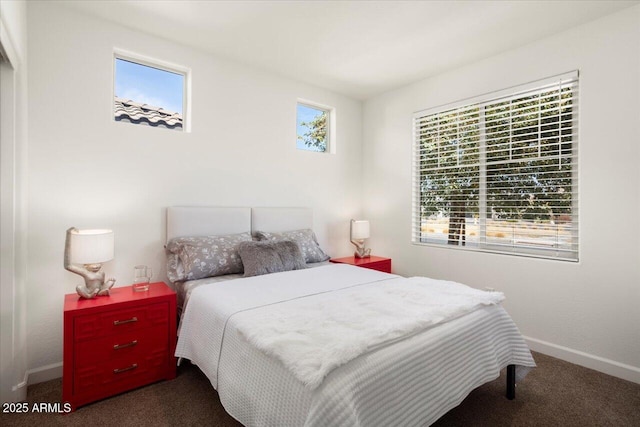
point(121, 374)
point(140, 342)
point(119, 321)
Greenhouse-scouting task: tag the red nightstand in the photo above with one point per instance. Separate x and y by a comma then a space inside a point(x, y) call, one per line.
point(118, 342)
point(372, 262)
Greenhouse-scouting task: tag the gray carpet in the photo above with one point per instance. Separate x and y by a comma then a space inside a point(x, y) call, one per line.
point(556, 393)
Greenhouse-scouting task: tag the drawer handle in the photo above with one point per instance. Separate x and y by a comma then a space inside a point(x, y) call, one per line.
point(122, 322)
point(129, 344)
point(128, 368)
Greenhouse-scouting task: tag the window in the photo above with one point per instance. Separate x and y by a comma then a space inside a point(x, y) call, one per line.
point(499, 172)
point(148, 93)
point(313, 127)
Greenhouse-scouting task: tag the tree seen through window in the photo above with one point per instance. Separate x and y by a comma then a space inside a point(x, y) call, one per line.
point(501, 174)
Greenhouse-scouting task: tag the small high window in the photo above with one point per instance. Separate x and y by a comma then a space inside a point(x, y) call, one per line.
point(313, 127)
point(148, 93)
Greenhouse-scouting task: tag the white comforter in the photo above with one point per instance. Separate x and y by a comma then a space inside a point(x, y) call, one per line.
point(258, 389)
point(211, 306)
point(314, 335)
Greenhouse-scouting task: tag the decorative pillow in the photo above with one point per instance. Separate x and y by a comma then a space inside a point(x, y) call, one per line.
point(270, 257)
point(306, 239)
point(193, 258)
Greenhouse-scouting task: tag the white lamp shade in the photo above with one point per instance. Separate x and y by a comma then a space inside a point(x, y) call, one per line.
point(359, 230)
point(91, 246)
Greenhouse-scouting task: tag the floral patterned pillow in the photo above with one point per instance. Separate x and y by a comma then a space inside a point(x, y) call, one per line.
point(306, 240)
point(193, 258)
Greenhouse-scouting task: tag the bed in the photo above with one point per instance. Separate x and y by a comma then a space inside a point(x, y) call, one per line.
point(234, 329)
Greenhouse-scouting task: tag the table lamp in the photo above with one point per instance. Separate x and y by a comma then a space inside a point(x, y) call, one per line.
point(84, 253)
point(359, 231)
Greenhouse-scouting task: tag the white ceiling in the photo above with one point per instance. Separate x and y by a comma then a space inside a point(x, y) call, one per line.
point(356, 48)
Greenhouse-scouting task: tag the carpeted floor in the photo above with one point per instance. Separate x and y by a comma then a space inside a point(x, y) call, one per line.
point(556, 393)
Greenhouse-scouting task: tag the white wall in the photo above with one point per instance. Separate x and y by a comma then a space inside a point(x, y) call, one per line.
point(13, 148)
point(586, 312)
point(86, 170)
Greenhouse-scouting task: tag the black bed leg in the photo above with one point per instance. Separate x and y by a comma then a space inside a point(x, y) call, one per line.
point(511, 382)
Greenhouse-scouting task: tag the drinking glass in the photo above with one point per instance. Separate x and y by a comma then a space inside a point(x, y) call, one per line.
point(141, 278)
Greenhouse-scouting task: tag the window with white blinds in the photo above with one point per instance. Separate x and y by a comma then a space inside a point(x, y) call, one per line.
point(499, 172)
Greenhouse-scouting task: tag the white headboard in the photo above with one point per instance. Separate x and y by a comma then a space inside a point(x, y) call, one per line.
point(275, 220)
point(185, 221)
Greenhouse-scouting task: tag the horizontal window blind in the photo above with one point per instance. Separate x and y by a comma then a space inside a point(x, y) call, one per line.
point(499, 172)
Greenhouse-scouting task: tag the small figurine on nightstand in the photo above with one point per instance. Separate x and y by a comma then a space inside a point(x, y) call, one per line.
point(94, 283)
point(84, 253)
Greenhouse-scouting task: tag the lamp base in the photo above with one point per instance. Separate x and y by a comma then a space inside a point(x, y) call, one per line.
point(362, 253)
point(86, 292)
point(94, 281)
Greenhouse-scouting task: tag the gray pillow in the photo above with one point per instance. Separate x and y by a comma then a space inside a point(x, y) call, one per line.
point(198, 257)
point(306, 239)
point(270, 257)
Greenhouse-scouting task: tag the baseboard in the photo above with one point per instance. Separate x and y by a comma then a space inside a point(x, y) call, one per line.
point(44, 373)
point(607, 366)
point(21, 385)
point(15, 393)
